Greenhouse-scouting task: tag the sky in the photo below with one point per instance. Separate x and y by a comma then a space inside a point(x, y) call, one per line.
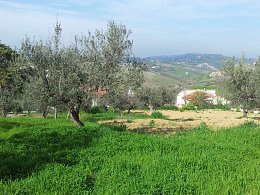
point(159, 27)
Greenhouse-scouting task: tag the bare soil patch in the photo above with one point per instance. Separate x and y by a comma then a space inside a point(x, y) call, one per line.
point(186, 120)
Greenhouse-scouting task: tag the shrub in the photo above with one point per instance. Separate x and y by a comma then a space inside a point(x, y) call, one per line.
point(157, 115)
point(188, 107)
point(152, 123)
point(129, 121)
point(97, 109)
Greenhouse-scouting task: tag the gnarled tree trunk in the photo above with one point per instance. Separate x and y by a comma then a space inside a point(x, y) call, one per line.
point(74, 112)
point(245, 112)
point(45, 113)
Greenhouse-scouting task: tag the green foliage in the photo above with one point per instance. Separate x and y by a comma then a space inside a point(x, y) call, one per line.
point(155, 97)
point(204, 107)
point(152, 123)
point(7, 84)
point(129, 121)
point(70, 75)
point(158, 115)
point(181, 110)
point(240, 84)
point(97, 109)
point(6, 69)
point(188, 107)
point(133, 116)
point(211, 106)
point(53, 157)
point(102, 116)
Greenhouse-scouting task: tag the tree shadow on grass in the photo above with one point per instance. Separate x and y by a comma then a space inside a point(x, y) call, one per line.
point(28, 151)
point(158, 130)
point(120, 126)
point(6, 126)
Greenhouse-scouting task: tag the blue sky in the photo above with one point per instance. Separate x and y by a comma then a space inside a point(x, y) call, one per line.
point(159, 27)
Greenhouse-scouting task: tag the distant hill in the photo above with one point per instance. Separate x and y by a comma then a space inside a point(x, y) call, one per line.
point(186, 71)
point(214, 60)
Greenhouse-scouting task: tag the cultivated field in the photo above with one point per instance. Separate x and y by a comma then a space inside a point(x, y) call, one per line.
point(47, 156)
point(187, 120)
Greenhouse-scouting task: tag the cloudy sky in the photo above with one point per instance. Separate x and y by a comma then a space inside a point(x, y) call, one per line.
point(160, 27)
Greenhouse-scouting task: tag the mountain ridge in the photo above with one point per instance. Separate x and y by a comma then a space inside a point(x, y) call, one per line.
point(215, 60)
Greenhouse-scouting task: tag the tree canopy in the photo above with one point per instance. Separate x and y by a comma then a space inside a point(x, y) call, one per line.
point(68, 75)
point(239, 84)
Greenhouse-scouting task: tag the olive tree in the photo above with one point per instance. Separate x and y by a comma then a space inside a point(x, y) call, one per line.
point(256, 83)
point(154, 97)
point(6, 79)
point(239, 84)
point(123, 95)
point(68, 75)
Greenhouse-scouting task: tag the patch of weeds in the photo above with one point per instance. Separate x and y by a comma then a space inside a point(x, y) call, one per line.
point(136, 116)
point(203, 127)
point(101, 117)
point(158, 115)
point(188, 107)
point(152, 123)
point(250, 124)
point(129, 121)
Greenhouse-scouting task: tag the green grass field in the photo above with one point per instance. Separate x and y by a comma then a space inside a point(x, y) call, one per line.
point(50, 156)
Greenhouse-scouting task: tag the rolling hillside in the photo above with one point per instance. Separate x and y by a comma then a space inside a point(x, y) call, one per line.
point(214, 60)
point(186, 71)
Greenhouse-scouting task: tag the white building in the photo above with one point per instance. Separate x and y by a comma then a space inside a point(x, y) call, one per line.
point(211, 94)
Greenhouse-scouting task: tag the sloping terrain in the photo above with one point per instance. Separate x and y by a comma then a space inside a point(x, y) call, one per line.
point(53, 157)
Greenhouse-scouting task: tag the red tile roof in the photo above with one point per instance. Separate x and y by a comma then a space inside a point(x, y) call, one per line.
point(196, 93)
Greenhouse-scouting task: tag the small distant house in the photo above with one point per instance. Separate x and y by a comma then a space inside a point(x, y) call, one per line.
point(102, 91)
point(185, 96)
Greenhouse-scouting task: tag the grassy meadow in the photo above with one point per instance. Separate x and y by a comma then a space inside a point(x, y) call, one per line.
point(50, 156)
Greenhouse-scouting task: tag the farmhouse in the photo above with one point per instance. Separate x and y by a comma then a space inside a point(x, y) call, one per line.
point(97, 95)
point(185, 96)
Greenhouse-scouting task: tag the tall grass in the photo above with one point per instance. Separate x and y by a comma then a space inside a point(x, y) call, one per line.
point(54, 157)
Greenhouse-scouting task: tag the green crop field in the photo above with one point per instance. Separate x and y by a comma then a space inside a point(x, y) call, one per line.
point(50, 156)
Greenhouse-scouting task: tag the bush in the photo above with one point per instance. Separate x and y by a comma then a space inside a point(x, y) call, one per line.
point(157, 115)
point(97, 109)
point(129, 121)
point(152, 123)
point(188, 107)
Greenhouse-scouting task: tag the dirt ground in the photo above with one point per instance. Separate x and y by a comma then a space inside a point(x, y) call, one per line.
point(187, 120)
